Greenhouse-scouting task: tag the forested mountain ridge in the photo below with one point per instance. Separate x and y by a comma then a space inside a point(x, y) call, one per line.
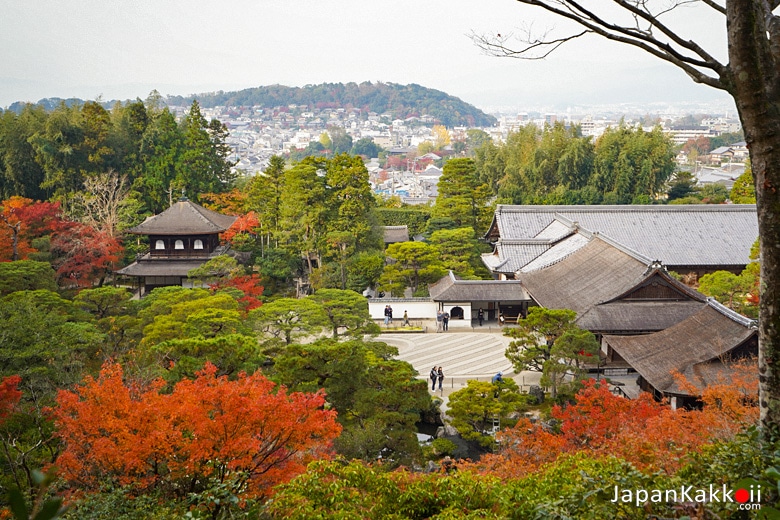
point(401, 101)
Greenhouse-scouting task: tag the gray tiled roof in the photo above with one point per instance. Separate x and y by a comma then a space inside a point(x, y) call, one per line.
point(677, 235)
point(184, 218)
point(557, 252)
point(452, 289)
point(513, 255)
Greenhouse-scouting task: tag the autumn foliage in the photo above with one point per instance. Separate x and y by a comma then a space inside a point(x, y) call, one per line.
point(84, 254)
point(248, 284)
point(246, 223)
point(247, 435)
point(9, 395)
point(642, 431)
point(233, 202)
point(21, 221)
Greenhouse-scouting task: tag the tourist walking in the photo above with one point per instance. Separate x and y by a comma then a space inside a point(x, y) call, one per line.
point(439, 320)
point(440, 374)
point(406, 319)
point(445, 321)
point(480, 316)
point(388, 314)
point(434, 375)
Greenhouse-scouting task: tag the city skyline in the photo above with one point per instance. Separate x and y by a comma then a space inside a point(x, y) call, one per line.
point(91, 49)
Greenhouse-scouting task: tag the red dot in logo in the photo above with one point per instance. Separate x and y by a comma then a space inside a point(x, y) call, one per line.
point(741, 496)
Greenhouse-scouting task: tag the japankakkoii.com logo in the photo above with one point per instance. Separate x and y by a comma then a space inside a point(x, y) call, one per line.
point(748, 497)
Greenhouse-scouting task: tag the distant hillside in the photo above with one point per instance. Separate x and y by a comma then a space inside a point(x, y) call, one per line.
point(399, 100)
point(49, 104)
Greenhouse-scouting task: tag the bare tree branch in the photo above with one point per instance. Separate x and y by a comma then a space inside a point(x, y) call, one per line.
point(685, 54)
point(719, 8)
point(496, 46)
point(653, 21)
point(102, 200)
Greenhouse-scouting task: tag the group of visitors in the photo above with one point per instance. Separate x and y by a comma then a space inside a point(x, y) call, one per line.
point(442, 318)
point(437, 374)
point(388, 315)
point(442, 321)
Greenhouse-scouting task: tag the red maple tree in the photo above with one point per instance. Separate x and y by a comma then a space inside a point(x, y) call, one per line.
point(247, 284)
point(21, 221)
point(9, 395)
point(247, 435)
point(244, 224)
point(84, 254)
point(642, 431)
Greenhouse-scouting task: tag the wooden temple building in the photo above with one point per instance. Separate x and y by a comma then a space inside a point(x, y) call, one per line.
point(647, 322)
point(181, 238)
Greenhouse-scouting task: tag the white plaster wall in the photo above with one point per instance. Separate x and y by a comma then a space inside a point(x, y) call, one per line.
point(416, 310)
point(466, 321)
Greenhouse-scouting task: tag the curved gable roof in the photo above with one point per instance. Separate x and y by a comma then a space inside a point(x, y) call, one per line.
point(655, 303)
point(707, 336)
point(184, 218)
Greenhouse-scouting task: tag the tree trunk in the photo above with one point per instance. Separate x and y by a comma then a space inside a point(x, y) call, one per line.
point(15, 241)
point(754, 82)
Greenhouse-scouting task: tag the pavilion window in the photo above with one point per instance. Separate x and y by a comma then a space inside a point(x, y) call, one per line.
point(198, 244)
point(179, 244)
point(159, 244)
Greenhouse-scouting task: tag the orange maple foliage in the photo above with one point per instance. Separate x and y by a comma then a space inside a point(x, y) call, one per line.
point(22, 220)
point(233, 202)
point(645, 432)
point(246, 434)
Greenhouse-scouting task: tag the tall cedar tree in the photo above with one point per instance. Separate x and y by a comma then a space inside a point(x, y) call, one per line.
point(203, 166)
point(463, 197)
point(20, 173)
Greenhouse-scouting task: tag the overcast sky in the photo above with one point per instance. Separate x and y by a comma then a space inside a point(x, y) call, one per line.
point(124, 49)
